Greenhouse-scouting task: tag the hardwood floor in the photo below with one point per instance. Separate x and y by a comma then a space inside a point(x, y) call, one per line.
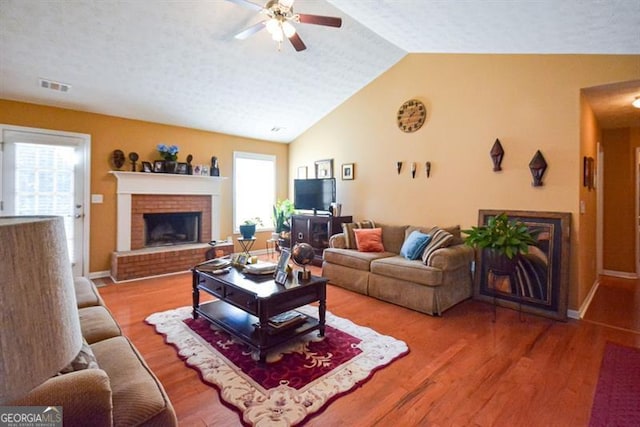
point(616, 303)
point(463, 369)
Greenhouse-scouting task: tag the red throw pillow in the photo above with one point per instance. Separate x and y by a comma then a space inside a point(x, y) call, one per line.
point(369, 239)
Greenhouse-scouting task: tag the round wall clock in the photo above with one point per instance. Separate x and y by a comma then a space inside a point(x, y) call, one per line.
point(411, 115)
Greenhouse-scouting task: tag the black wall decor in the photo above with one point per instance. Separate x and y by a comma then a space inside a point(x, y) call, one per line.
point(538, 166)
point(497, 153)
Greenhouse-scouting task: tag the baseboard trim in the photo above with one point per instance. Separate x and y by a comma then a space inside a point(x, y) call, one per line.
point(620, 274)
point(99, 274)
point(587, 301)
point(573, 314)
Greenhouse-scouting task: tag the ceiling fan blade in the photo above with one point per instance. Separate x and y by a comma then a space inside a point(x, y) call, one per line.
point(247, 4)
point(250, 31)
point(297, 42)
point(329, 21)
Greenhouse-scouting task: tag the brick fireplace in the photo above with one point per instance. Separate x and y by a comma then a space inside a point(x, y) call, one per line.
point(163, 196)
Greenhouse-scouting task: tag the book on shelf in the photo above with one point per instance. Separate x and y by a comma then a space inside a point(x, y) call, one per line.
point(288, 318)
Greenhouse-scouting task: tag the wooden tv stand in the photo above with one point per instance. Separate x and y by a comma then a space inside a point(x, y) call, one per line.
point(316, 231)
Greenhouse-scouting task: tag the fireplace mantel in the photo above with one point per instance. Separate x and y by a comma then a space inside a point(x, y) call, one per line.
point(130, 183)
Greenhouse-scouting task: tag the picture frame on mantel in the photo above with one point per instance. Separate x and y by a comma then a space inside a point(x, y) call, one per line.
point(540, 283)
point(324, 168)
point(302, 172)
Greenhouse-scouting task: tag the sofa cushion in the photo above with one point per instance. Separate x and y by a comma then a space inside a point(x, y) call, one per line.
point(97, 324)
point(414, 245)
point(349, 236)
point(439, 239)
point(369, 239)
point(352, 258)
point(454, 229)
point(403, 269)
point(137, 394)
point(393, 236)
point(86, 293)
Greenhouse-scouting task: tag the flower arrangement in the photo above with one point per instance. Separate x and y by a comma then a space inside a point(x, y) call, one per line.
point(168, 152)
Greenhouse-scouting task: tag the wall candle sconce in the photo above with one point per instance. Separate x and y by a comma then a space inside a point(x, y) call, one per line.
point(399, 167)
point(413, 169)
point(427, 168)
point(497, 153)
point(537, 166)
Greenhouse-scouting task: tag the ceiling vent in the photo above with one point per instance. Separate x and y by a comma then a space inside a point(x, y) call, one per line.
point(50, 84)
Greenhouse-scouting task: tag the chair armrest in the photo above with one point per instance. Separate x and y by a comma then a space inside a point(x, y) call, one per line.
point(338, 241)
point(84, 396)
point(453, 257)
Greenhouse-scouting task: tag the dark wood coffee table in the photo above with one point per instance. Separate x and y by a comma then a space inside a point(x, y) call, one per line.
point(246, 303)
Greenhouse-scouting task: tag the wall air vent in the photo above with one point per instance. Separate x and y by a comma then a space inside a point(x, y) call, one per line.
point(50, 84)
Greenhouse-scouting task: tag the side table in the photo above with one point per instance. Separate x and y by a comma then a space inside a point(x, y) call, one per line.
point(246, 244)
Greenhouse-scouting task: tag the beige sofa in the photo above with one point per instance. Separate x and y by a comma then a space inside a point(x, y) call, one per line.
point(431, 289)
point(122, 391)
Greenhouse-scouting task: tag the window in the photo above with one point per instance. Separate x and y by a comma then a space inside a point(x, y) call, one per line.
point(254, 188)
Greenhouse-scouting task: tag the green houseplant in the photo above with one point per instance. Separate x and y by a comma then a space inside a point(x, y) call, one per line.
point(282, 212)
point(504, 240)
point(248, 227)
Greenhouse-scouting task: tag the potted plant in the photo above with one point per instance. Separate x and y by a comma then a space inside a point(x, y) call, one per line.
point(248, 227)
point(170, 156)
point(282, 212)
point(504, 240)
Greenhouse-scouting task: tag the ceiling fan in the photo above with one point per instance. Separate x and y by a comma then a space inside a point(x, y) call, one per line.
point(280, 17)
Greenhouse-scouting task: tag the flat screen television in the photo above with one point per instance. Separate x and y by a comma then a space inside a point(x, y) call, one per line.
point(314, 194)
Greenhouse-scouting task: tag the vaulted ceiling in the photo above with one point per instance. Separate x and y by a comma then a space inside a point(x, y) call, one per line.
point(178, 62)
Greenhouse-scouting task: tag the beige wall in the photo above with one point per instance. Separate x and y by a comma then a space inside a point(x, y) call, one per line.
point(109, 133)
point(529, 102)
point(619, 210)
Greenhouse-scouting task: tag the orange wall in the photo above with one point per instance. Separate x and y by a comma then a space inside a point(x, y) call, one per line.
point(619, 243)
point(590, 134)
point(529, 102)
point(109, 133)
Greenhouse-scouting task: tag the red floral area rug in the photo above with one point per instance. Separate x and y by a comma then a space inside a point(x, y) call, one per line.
point(299, 379)
point(617, 398)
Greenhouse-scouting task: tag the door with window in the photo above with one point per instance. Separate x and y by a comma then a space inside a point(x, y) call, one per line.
point(46, 173)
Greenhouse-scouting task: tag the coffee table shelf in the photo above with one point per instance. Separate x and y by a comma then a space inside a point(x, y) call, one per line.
point(243, 325)
point(245, 303)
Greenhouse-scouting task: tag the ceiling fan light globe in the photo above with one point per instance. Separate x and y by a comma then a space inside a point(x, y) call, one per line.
point(286, 3)
point(277, 36)
point(273, 26)
point(636, 102)
point(288, 29)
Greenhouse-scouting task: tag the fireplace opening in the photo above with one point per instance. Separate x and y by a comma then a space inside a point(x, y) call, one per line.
point(166, 229)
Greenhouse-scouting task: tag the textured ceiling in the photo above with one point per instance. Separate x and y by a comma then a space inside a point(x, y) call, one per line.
point(611, 104)
point(178, 63)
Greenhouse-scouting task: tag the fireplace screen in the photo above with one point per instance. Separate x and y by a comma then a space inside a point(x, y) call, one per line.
point(165, 229)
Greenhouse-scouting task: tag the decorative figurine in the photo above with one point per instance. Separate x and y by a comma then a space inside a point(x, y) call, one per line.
point(215, 169)
point(399, 167)
point(189, 165)
point(427, 168)
point(413, 169)
point(497, 153)
point(134, 158)
point(117, 159)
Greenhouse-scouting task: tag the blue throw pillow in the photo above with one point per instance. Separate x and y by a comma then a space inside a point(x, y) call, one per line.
point(413, 247)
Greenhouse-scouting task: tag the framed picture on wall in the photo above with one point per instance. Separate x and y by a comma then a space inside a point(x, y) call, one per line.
point(324, 168)
point(347, 171)
point(539, 283)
